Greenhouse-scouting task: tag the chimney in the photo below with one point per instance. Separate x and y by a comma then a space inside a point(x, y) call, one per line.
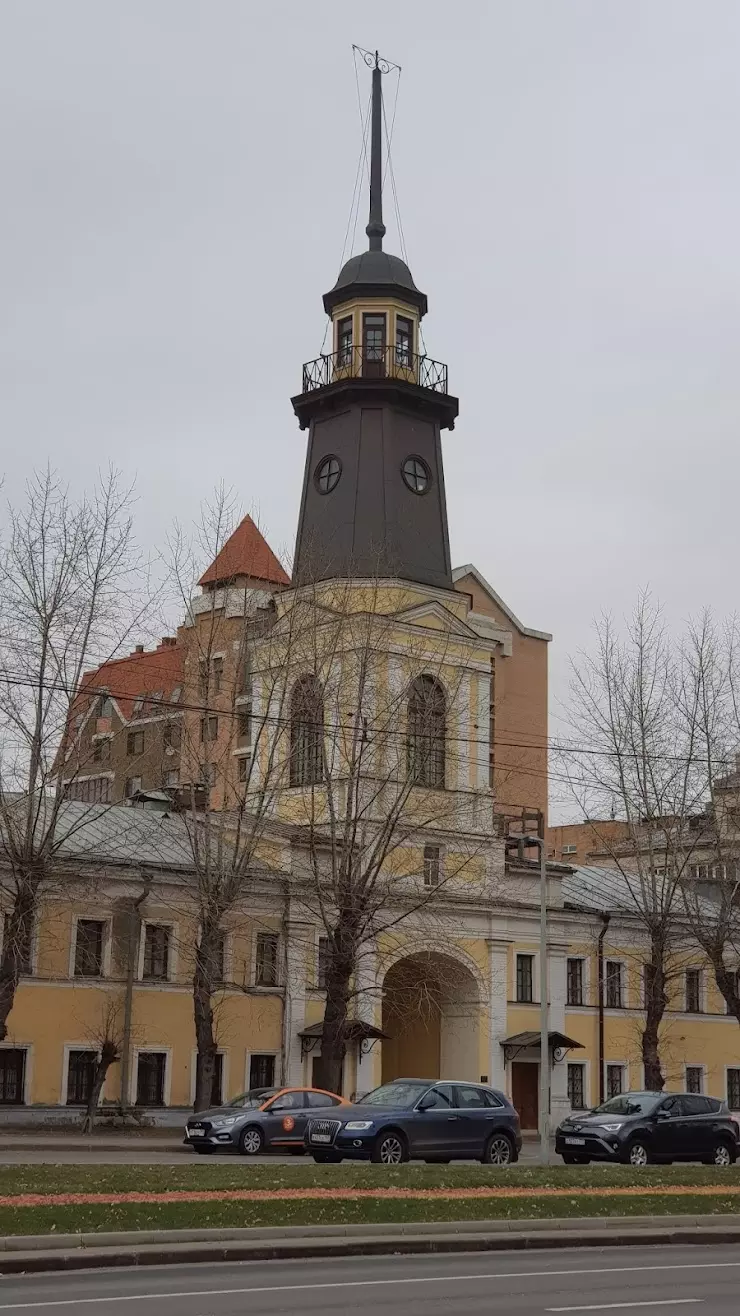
point(167, 642)
point(139, 649)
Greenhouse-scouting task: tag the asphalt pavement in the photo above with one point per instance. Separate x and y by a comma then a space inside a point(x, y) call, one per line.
point(664, 1280)
point(140, 1152)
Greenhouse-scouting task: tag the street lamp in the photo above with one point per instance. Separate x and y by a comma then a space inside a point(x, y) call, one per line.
point(525, 842)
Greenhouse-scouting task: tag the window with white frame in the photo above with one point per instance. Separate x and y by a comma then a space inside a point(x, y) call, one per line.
point(322, 962)
point(614, 984)
point(266, 967)
point(431, 865)
point(524, 978)
point(577, 1086)
point(694, 1079)
point(693, 992)
point(614, 1080)
point(89, 948)
point(150, 1076)
point(12, 1076)
point(735, 984)
point(24, 942)
point(575, 982)
point(81, 1067)
point(261, 1071)
point(156, 967)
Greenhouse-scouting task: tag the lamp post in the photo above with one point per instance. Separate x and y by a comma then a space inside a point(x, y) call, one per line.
point(544, 1121)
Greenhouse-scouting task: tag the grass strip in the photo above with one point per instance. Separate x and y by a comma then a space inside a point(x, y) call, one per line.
point(239, 1215)
point(29, 1201)
point(16, 1180)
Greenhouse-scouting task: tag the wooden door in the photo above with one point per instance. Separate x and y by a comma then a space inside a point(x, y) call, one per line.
point(525, 1079)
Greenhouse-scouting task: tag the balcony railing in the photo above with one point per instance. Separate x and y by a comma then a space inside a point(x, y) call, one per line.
point(374, 363)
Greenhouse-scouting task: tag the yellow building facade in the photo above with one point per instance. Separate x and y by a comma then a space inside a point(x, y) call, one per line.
point(457, 999)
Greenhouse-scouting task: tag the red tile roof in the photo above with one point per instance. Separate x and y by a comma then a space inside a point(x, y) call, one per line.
point(245, 553)
point(154, 671)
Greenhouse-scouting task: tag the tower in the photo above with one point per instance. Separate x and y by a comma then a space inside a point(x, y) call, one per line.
point(373, 499)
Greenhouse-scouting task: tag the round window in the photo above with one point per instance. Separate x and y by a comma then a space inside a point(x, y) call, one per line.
point(416, 475)
point(327, 473)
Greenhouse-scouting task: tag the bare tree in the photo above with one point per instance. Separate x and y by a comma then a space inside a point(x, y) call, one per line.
point(378, 746)
point(710, 705)
point(107, 1040)
point(70, 591)
point(232, 758)
point(634, 747)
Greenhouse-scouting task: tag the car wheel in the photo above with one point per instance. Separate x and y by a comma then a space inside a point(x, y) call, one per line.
point(389, 1149)
point(722, 1154)
point(251, 1141)
point(576, 1160)
point(327, 1158)
point(637, 1153)
point(499, 1150)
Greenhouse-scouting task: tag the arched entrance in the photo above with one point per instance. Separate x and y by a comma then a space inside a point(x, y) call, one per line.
point(431, 1013)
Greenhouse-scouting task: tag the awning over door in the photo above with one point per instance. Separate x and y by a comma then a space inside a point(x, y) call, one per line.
point(358, 1033)
point(559, 1043)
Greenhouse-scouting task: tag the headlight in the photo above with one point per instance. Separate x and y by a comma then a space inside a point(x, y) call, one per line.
point(226, 1122)
point(610, 1128)
point(357, 1125)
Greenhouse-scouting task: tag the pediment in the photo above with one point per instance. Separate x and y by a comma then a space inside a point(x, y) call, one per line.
point(436, 616)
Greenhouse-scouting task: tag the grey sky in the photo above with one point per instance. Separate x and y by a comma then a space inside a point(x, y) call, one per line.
point(176, 179)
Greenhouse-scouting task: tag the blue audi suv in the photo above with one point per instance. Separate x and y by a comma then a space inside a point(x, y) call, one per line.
point(416, 1118)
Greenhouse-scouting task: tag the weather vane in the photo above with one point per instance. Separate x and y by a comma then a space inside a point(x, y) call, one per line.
point(375, 61)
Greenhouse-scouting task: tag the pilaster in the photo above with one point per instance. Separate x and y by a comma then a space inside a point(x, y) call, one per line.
point(559, 1103)
point(298, 938)
point(498, 978)
point(367, 1008)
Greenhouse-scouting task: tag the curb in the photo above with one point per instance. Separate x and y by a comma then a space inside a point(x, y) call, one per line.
point(41, 1253)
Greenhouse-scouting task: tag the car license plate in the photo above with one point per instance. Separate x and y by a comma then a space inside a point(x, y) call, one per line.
point(196, 1129)
point(576, 1142)
point(320, 1137)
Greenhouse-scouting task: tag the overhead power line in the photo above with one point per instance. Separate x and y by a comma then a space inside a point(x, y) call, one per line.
point(176, 706)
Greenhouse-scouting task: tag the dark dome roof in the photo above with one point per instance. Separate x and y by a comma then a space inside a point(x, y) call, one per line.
point(375, 274)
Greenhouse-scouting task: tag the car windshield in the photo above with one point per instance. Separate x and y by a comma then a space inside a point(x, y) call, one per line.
point(395, 1094)
point(254, 1098)
point(629, 1103)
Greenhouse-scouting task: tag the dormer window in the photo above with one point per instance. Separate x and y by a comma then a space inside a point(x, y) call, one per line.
point(404, 341)
point(344, 341)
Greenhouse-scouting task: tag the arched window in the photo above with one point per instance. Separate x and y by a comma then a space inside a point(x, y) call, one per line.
point(306, 732)
point(426, 732)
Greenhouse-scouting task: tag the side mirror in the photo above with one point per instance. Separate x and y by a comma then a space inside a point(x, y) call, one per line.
point(662, 1114)
point(426, 1102)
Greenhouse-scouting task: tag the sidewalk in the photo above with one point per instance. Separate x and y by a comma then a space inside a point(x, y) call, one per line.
point(43, 1253)
point(161, 1140)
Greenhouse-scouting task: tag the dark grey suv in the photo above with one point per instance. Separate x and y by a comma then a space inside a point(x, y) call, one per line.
point(639, 1128)
point(418, 1117)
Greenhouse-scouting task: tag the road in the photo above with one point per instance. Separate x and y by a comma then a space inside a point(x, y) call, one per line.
point(138, 1152)
point(667, 1281)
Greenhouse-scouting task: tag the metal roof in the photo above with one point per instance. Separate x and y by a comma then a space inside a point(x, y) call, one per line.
point(117, 834)
point(610, 890)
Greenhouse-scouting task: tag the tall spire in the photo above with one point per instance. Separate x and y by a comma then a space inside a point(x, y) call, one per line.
point(376, 228)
